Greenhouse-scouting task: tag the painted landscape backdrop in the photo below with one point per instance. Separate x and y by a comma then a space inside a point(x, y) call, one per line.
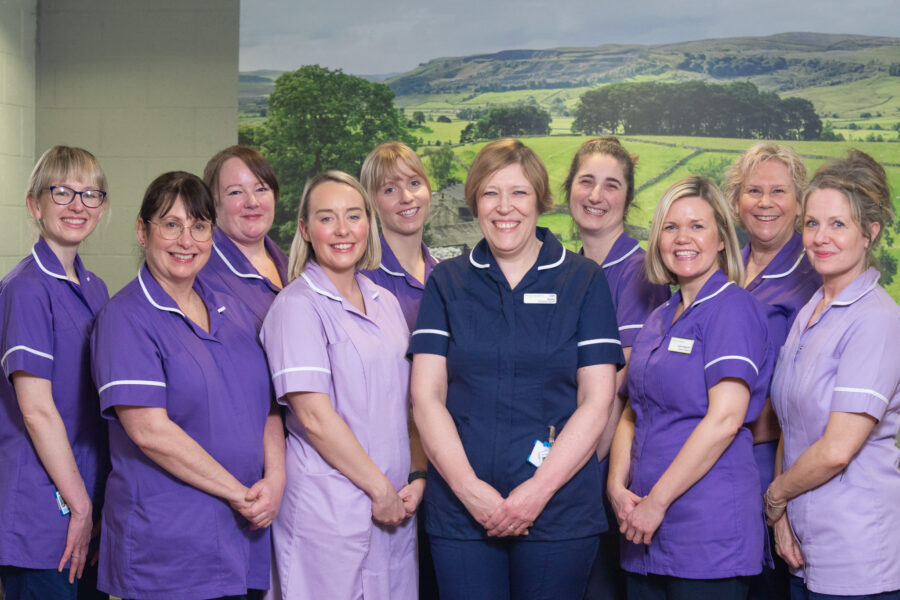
point(683, 108)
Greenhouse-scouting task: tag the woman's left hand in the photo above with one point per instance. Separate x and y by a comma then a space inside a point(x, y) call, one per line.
point(264, 497)
point(643, 521)
point(411, 495)
point(518, 511)
point(786, 544)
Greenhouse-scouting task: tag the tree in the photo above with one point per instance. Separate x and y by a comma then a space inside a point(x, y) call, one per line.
point(418, 118)
point(321, 119)
point(440, 163)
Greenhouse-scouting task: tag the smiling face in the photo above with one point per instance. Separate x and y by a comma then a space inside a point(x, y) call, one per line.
point(834, 242)
point(768, 206)
point(508, 212)
point(403, 201)
point(689, 242)
point(173, 263)
point(597, 198)
point(337, 227)
point(245, 206)
point(65, 226)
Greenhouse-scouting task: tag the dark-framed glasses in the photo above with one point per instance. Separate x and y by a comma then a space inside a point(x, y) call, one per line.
point(63, 196)
point(171, 229)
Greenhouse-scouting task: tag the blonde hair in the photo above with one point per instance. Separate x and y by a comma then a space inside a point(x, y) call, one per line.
point(381, 163)
point(498, 155)
point(302, 251)
point(754, 156)
point(864, 183)
point(729, 258)
point(59, 163)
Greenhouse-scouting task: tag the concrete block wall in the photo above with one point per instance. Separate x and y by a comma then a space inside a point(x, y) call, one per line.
point(155, 91)
point(18, 36)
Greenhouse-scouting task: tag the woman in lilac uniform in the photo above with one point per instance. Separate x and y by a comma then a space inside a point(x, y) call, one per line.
point(245, 262)
point(682, 477)
point(195, 440)
point(395, 179)
point(336, 345)
point(764, 188)
point(599, 192)
point(52, 441)
point(837, 394)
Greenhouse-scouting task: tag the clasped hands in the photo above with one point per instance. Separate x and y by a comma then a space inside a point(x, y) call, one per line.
point(510, 516)
point(639, 517)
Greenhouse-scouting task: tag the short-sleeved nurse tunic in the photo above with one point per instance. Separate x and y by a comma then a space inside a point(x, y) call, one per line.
point(512, 359)
point(633, 296)
point(716, 529)
point(162, 538)
point(228, 271)
point(394, 278)
point(45, 332)
point(845, 361)
point(326, 544)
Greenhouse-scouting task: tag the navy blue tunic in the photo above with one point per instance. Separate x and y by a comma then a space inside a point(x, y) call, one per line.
point(512, 358)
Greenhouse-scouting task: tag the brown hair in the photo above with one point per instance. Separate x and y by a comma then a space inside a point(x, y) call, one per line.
point(610, 146)
point(864, 183)
point(255, 161)
point(498, 155)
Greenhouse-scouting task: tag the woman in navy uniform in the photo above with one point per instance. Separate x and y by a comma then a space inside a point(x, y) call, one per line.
point(514, 358)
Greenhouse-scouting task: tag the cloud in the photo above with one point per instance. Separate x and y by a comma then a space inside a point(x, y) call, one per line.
point(366, 37)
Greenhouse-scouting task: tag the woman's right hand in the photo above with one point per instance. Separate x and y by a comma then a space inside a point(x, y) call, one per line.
point(387, 506)
point(786, 544)
point(481, 500)
point(78, 539)
point(623, 501)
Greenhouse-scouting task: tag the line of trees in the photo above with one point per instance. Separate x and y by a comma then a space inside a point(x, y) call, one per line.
point(695, 108)
point(508, 121)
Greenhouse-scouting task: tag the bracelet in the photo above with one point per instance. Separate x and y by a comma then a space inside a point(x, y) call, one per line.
point(416, 475)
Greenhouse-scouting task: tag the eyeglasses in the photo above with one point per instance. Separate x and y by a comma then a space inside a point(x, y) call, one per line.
point(63, 196)
point(171, 229)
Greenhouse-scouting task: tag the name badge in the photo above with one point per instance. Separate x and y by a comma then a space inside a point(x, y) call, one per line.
point(681, 345)
point(540, 298)
point(539, 452)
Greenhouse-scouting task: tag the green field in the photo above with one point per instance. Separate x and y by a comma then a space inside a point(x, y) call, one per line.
point(658, 154)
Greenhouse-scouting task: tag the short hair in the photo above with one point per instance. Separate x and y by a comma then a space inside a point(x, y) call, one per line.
point(864, 183)
point(695, 186)
point(381, 163)
point(57, 164)
point(302, 251)
point(163, 191)
point(498, 155)
point(754, 156)
point(255, 161)
point(609, 146)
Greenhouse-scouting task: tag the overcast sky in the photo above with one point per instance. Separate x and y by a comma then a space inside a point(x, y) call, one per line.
point(376, 37)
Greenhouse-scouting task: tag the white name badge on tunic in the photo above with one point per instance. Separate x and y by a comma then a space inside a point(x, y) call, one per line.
point(540, 298)
point(539, 452)
point(682, 345)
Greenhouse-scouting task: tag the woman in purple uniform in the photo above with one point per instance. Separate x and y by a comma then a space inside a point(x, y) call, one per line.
point(197, 449)
point(682, 477)
point(395, 179)
point(764, 188)
point(52, 440)
point(599, 192)
point(836, 391)
point(245, 262)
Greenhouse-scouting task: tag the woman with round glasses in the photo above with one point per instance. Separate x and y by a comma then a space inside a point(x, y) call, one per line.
point(245, 261)
point(52, 440)
point(183, 381)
